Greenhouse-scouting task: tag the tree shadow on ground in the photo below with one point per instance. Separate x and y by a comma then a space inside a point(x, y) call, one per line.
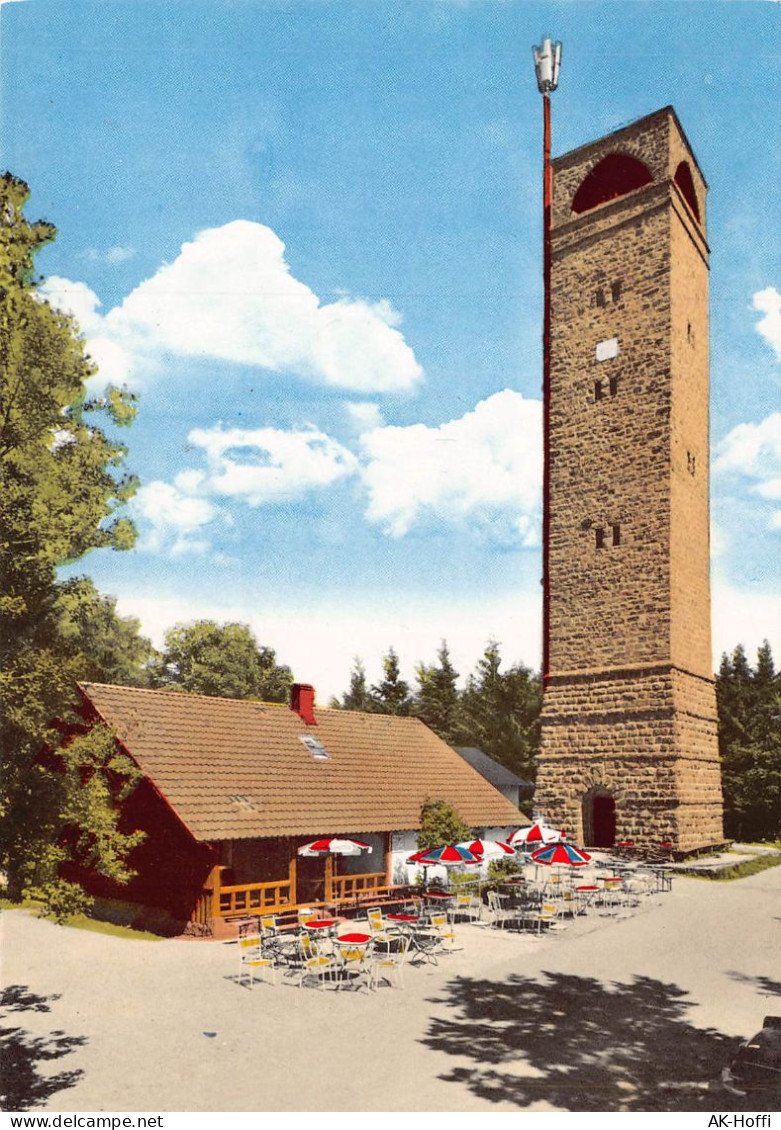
point(765, 985)
point(21, 1084)
point(580, 1045)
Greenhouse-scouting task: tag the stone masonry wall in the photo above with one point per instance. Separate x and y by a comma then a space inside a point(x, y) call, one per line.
point(630, 704)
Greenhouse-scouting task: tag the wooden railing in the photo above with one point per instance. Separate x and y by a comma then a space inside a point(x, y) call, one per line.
point(248, 898)
point(345, 887)
point(217, 901)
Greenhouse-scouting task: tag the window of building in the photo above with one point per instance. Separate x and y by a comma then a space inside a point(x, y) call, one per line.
point(615, 290)
point(599, 534)
point(597, 390)
point(691, 463)
point(616, 533)
point(600, 297)
point(315, 747)
point(613, 384)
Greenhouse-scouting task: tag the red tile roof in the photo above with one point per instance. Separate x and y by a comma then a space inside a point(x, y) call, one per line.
point(233, 769)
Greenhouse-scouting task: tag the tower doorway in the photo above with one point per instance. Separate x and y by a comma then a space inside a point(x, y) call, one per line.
point(599, 818)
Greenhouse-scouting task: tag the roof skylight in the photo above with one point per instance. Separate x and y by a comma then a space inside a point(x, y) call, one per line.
point(315, 747)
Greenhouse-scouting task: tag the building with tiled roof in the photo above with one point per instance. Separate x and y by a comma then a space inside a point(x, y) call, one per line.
point(231, 789)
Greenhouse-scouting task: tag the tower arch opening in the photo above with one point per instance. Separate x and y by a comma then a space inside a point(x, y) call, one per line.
point(683, 178)
point(615, 175)
point(599, 818)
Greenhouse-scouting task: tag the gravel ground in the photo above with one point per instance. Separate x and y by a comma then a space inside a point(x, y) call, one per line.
point(637, 1013)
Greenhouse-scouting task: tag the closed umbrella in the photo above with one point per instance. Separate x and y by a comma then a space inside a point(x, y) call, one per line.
point(334, 846)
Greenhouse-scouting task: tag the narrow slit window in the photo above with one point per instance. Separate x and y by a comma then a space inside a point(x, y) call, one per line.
point(613, 386)
point(601, 301)
point(599, 534)
point(616, 533)
point(597, 390)
point(691, 463)
point(615, 290)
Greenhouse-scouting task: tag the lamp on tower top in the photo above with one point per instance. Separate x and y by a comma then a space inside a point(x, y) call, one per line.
point(547, 60)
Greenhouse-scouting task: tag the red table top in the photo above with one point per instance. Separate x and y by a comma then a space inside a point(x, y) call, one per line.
point(437, 895)
point(320, 923)
point(591, 888)
point(610, 878)
point(404, 917)
point(354, 939)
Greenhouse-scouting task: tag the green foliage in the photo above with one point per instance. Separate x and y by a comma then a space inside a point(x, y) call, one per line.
point(61, 485)
point(437, 700)
point(441, 825)
point(500, 712)
point(749, 704)
point(358, 696)
point(392, 695)
point(62, 900)
point(223, 660)
point(111, 649)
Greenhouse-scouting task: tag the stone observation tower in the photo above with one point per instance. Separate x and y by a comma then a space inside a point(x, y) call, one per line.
point(629, 746)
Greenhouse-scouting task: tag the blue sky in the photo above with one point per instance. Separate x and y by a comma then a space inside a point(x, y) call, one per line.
point(307, 233)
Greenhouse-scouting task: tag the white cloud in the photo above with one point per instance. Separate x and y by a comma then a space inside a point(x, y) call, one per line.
point(744, 617)
point(319, 637)
point(113, 359)
point(265, 465)
point(230, 296)
point(768, 302)
point(482, 471)
point(364, 415)
point(171, 520)
point(753, 451)
point(114, 256)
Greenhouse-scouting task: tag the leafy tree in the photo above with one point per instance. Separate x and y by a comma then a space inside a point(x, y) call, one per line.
point(441, 825)
point(222, 660)
point(110, 647)
point(392, 695)
point(500, 712)
point(61, 485)
point(749, 705)
point(437, 700)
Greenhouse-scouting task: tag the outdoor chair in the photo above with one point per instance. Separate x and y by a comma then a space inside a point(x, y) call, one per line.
point(352, 964)
point(387, 963)
point(548, 916)
point(253, 962)
point(378, 927)
point(500, 910)
point(305, 960)
point(468, 906)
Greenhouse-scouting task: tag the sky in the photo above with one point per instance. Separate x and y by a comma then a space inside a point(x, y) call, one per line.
point(307, 233)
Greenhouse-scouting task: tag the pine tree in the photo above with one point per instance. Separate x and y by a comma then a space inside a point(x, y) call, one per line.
point(392, 695)
point(437, 700)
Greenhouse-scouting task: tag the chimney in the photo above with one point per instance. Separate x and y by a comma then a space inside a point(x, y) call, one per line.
point(302, 700)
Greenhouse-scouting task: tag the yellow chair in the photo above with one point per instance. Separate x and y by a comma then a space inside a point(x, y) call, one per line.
point(307, 960)
point(353, 963)
point(388, 964)
point(253, 961)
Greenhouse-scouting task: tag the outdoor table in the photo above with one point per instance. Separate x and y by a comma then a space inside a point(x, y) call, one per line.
point(321, 925)
point(438, 895)
point(407, 920)
point(586, 892)
point(354, 939)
